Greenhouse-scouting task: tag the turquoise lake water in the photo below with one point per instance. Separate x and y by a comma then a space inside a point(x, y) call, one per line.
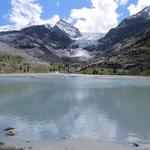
point(58, 107)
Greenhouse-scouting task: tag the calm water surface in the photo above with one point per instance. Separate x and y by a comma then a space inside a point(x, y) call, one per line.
point(56, 107)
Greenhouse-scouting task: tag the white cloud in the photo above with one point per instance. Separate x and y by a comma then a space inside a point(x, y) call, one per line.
point(53, 20)
point(99, 18)
point(133, 9)
point(26, 12)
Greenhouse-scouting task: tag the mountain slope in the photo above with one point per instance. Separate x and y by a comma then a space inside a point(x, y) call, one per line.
point(38, 41)
point(134, 52)
point(127, 28)
point(35, 35)
point(125, 49)
point(131, 58)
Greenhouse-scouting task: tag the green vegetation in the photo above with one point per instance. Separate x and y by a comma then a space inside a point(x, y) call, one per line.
point(111, 71)
point(64, 68)
point(16, 64)
point(39, 69)
point(10, 64)
point(61, 68)
point(99, 71)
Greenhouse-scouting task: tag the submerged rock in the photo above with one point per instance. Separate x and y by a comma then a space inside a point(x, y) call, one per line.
point(10, 131)
point(136, 144)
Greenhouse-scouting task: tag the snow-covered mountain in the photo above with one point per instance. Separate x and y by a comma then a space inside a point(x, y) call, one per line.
point(145, 13)
point(69, 29)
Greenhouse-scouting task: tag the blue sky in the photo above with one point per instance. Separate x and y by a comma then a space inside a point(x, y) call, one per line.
point(47, 9)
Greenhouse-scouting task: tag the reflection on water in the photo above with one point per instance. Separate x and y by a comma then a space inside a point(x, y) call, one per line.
point(112, 109)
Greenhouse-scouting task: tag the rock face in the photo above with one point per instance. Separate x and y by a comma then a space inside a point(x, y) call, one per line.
point(127, 28)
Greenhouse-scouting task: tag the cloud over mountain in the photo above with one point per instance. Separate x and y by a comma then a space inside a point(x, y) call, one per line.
point(95, 19)
point(133, 9)
point(26, 12)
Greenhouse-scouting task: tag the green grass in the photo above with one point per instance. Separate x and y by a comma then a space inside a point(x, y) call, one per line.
point(98, 70)
point(10, 64)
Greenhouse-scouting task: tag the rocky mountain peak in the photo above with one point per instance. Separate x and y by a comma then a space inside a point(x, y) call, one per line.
point(141, 17)
point(144, 13)
point(69, 29)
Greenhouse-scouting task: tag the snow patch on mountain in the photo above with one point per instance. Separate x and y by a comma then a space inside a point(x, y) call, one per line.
point(88, 39)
